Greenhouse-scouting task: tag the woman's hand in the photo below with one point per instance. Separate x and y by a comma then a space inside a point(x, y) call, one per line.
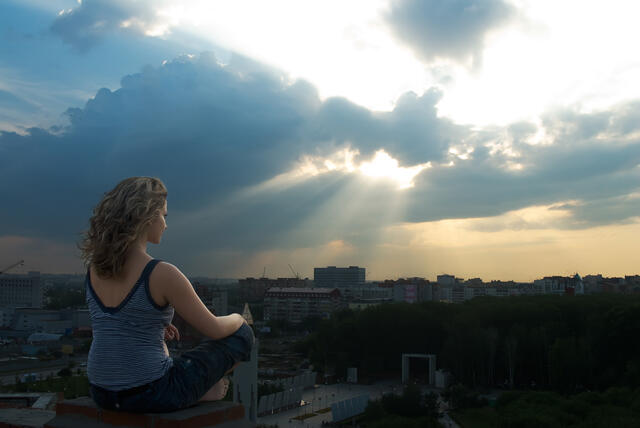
point(171, 333)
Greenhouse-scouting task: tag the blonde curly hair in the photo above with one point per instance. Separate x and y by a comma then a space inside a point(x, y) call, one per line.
point(120, 219)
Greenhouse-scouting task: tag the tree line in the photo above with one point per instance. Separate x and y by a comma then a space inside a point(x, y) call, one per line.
point(564, 343)
point(615, 407)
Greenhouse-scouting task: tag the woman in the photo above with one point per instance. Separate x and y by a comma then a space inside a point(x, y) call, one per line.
point(131, 299)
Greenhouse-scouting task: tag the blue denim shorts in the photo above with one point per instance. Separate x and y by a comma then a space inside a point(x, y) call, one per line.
point(190, 377)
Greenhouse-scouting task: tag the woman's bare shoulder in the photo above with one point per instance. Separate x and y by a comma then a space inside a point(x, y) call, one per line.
point(164, 280)
point(166, 273)
point(166, 268)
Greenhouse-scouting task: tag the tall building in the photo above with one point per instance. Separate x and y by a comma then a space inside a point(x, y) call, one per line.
point(21, 291)
point(332, 276)
point(349, 280)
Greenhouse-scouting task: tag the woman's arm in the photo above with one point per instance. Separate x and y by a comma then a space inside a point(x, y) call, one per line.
point(179, 292)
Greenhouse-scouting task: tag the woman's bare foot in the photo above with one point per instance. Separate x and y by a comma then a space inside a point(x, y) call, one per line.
point(217, 391)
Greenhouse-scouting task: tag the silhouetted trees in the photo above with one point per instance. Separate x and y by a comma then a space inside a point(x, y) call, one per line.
point(63, 297)
point(411, 409)
point(569, 344)
point(616, 407)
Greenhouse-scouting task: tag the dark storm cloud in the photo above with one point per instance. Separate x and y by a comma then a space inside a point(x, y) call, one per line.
point(453, 29)
point(209, 131)
point(190, 122)
point(213, 133)
point(85, 25)
point(412, 131)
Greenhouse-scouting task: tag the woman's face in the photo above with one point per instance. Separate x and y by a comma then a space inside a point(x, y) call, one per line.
point(158, 226)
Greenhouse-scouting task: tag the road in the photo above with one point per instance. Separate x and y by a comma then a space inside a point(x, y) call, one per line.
point(322, 396)
point(42, 370)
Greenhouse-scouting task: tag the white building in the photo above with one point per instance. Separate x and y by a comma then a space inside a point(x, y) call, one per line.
point(553, 284)
point(446, 279)
point(471, 291)
point(444, 294)
point(405, 293)
point(21, 291)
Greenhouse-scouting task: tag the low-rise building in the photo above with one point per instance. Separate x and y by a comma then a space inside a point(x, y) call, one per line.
point(62, 321)
point(364, 291)
point(254, 289)
point(6, 317)
point(367, 303)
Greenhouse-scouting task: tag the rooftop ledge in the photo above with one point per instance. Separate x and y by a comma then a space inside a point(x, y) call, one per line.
point(84, 413)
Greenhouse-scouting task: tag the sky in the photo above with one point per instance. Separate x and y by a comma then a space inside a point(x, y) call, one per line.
point(497, 139)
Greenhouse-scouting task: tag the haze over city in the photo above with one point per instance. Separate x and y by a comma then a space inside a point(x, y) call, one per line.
point(493, 139)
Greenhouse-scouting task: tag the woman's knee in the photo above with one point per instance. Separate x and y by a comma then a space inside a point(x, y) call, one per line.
point(244, 340)
point(239, 344)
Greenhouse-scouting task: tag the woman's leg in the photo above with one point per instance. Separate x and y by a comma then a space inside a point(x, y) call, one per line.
point(199, 370)
point(193, 374)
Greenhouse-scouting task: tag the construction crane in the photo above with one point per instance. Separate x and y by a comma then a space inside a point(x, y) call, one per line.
point(296, 274)
point(20, 263)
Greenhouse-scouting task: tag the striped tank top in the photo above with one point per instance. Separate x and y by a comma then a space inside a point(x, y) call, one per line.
point(128, 340)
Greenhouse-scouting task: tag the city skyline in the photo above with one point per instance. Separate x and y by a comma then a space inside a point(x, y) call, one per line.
point(300, 278)
point(495, 139)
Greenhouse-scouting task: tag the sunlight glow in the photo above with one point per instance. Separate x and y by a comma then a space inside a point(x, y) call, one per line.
point(381, 166)
point(342, 48)
point(553, 57)
point(503, 229)
point(384, 166)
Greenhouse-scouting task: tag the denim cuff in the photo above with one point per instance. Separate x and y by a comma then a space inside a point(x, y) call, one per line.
point(245, 333)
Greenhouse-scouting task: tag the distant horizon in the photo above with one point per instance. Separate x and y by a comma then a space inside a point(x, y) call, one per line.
point(366, 280)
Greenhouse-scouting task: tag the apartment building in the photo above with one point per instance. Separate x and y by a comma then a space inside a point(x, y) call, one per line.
point(296, 304)
point(254, 289)
point(21, 291)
